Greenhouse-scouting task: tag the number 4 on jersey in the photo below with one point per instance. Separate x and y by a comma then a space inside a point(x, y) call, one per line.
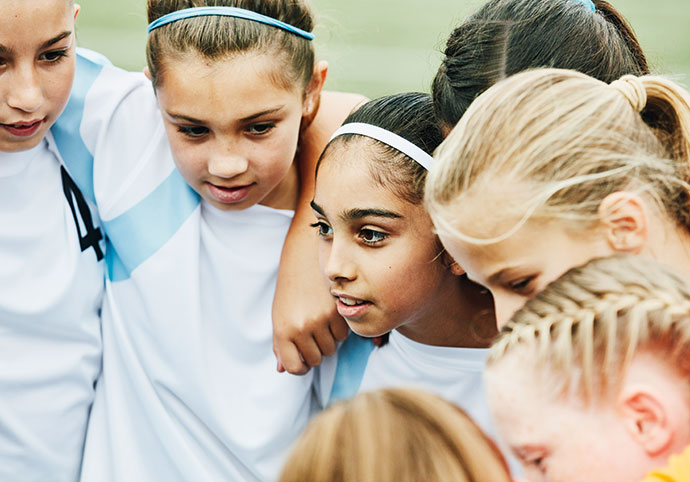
point(92, 236)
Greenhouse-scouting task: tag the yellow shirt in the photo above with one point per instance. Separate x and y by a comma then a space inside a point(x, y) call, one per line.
point(678, 470)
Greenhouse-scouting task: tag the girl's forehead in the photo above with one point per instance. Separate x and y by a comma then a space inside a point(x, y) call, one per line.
point(34, 24)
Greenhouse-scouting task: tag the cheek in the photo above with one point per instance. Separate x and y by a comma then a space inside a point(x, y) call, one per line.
point(324, 250)
point(58, 85)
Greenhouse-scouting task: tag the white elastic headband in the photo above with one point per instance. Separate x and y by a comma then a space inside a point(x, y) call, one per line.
point(388, 138)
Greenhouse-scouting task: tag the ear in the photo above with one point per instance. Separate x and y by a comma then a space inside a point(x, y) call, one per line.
point(77, 7)
point(625, 220)
point(451, 264)
point(645, 419)
point(456, 269)
point(313, 91)
point(147, 72)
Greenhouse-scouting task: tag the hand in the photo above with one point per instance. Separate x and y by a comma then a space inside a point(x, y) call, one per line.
point(306, 331)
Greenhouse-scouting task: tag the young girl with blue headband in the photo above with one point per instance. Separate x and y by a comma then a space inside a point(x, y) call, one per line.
point(197, 187)
point(51, 250)
point(387, 271)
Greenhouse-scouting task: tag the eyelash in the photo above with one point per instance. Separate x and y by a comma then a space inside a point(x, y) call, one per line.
point(193, 131)
point(378, 234)
point(261, 129)
point(324, 229)
point(58, 56)
point(522, 285)
point(325, 232)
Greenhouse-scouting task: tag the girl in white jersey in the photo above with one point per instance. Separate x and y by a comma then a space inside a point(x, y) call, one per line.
point(385, 268)
point(51, 251)
point(195, 222)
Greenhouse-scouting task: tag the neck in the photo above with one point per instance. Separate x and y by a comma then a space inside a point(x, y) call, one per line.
point(461, 316)
point(671, 247)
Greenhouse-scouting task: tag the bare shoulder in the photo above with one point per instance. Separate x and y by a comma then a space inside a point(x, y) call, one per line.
point(334, 108)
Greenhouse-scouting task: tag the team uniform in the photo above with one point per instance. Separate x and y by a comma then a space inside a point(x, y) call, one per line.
point(189, 390)
point(455, 374)
point(452, 373)
point(52, 279)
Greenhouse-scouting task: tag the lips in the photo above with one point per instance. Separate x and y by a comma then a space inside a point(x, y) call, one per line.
point(349, 307)
point(23, 129)
point(229, 195)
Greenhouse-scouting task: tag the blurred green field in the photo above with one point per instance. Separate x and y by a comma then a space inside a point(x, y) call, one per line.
point(379, 47)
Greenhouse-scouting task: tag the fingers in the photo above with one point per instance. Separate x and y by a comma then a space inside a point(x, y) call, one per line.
point(309, 349)
point(289, 358)
point(338, 328)
point(326, 342)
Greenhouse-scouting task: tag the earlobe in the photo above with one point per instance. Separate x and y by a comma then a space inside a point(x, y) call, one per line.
point(625, 220)
point(645, 419)
point(147, 72)
point(456, 269)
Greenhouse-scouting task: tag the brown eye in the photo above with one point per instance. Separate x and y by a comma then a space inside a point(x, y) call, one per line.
point(371, 236)
point(193, 131)
point(324, 229)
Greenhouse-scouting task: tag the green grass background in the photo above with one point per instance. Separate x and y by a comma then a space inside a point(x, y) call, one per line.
point(378, 47)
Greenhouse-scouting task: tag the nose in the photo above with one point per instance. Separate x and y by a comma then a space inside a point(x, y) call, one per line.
point(505, 307)
point(25, 91)
point(339, 264)
point(227, 161)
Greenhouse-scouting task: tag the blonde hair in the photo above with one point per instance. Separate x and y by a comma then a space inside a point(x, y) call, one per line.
point(567, 140)
point(394, 435)
point(588, 325)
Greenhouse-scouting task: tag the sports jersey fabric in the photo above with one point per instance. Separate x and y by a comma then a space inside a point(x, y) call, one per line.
point(189, 390)
point(52, 279)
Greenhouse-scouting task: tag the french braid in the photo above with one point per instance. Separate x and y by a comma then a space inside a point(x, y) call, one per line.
point(596, 317)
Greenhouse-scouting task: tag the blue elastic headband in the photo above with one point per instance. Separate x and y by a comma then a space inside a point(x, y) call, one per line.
point(226, 12)
point(589, 4)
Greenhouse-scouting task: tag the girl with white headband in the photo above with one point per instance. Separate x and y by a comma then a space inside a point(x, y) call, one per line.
point(195, 222)
point(387, 271)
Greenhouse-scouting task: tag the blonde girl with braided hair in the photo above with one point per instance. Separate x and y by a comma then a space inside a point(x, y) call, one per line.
point(590, 380)
point(551, 168)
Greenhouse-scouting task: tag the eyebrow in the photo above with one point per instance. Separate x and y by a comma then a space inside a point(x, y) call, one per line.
point(193, 120)
point(359, 213)
point(55, 40)
point(262, 113)
point(5, 50)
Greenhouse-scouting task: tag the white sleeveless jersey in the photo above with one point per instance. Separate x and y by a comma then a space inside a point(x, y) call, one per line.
point(51, 288)
point(189, 390)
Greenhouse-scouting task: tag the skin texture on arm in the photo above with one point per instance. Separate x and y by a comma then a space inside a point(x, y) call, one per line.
point(306, 325)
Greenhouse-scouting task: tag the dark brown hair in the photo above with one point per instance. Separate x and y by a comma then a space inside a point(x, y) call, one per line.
point(411, 116)
point(505, 37)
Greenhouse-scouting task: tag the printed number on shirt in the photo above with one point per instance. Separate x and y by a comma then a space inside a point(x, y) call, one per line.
point(92, 235)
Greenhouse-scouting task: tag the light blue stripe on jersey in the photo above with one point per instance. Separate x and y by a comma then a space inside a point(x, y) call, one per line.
point(155, 220)
point(66, 131)
point(353, 356)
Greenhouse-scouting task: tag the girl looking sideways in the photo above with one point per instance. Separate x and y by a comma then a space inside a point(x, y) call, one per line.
point(385, 268)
